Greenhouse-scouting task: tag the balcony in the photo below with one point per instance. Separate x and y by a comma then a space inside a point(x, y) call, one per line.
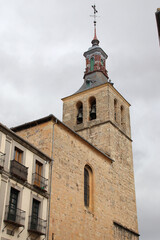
point(40, 182)
point(37, 225)
point(2, 156)
point(19, 170)
point(14, 216)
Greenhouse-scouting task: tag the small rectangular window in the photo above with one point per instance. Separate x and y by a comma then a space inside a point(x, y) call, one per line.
point(18, 155)
point(38, 173)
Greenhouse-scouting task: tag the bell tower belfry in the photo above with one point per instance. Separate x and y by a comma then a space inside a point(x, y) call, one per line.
point(97, 109)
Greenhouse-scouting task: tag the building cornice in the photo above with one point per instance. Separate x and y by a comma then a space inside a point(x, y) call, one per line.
point(93, 88)
point(101, 123)
point(125, 228)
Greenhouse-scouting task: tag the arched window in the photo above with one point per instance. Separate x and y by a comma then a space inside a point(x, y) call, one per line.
point(92, 64)
point(122, 116)
point(79, 113)
point(92, 111)
point(115, 109)
point(88, 189)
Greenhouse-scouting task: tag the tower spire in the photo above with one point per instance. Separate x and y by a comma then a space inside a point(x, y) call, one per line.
point(95, 41)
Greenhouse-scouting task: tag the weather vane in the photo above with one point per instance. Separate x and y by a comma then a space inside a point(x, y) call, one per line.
point(95, 14)
point(95, 41)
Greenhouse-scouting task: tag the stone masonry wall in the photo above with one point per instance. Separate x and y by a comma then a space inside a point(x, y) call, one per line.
point(113, 185)
point(70, 220)
point(105, 96)
point(113, 138)
point(40, 136)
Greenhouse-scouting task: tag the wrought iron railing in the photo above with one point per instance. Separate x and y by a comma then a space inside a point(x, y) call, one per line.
point(37, 225)
point(14, 215)
point(39, 181)
point(19, 170)
point(2, 159)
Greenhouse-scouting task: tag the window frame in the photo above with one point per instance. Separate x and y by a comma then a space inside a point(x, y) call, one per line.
point(89, 206)
point(92, 63)
point(18, 155)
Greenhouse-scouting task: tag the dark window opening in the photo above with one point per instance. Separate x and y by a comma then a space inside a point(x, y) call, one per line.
point(35, 214)
point(80, 113)
point(86, 187)
point(12, 212)
point(122, 117)
point(115, 110)
point(92, 114)
point(102, 62)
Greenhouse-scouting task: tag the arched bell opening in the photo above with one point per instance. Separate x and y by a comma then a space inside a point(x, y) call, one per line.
point(92, 112)
point(79, 112)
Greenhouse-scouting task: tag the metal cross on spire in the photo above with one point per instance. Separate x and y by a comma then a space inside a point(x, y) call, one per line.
point(95, 11)
point(95, 41)
point(95, 14)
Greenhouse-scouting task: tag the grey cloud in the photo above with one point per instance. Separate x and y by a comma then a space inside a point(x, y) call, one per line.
point(41, 61)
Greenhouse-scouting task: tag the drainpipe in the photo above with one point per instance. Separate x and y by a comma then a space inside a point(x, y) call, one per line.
point(52, 160)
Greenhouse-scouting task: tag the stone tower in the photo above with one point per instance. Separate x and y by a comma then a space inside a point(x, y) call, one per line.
point(100, 114)
point(97, 111)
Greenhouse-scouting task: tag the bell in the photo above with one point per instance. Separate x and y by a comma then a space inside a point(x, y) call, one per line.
point(79, 117)
point(93, 112)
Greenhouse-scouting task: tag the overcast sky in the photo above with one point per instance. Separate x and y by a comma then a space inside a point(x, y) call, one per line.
point(41, 60)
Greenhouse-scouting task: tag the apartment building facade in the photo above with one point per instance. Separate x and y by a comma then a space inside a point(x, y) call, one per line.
point(24, 188)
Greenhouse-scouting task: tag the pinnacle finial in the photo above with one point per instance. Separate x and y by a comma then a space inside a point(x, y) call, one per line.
point(95, 40)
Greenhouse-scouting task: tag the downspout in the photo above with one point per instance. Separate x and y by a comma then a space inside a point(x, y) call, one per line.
point(51, 167)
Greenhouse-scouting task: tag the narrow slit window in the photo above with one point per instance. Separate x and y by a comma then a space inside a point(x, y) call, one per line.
point(88, 189)
point(122, 116)
point(115, 109)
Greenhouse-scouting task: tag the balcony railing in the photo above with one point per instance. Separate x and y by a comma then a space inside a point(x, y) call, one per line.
point(39, 181)
point(37, 225)
point(14, 216)
point(19, 170)
point(2, 156)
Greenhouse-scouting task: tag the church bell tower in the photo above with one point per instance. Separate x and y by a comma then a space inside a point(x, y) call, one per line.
point(100, 114)
point(97, 109)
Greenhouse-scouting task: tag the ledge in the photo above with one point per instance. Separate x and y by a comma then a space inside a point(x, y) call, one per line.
point(125, 228)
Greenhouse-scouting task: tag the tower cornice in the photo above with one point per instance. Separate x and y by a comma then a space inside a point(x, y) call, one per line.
point(94, 50)
point(93, 89)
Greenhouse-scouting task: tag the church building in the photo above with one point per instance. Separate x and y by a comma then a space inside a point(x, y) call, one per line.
point(92, 193)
